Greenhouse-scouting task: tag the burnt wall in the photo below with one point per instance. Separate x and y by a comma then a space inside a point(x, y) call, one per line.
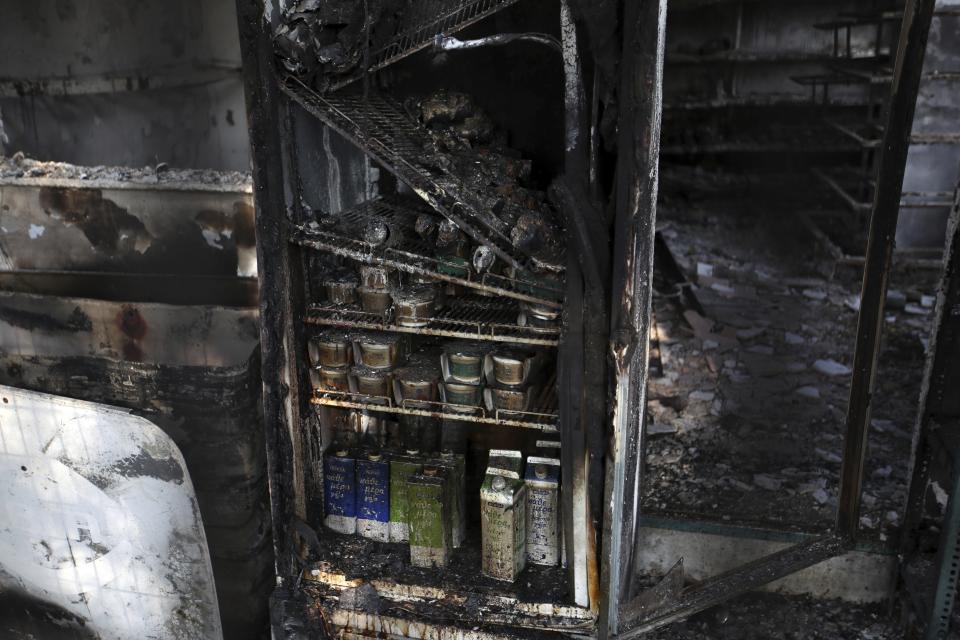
point(123, 83)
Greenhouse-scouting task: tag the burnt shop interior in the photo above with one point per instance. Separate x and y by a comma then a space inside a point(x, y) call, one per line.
point(430, 335)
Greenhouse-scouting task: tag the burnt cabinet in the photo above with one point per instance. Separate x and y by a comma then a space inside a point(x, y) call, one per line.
point(438, 278)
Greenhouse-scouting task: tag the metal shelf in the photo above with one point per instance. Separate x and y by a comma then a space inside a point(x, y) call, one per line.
point(381, 128)
point(746, 56)
point(843, 190)
point(844, 183)
point(542, 418)
point(410, 254)
point(870, 136)
point(466, 318)
point(859, 133)
point(420, 23)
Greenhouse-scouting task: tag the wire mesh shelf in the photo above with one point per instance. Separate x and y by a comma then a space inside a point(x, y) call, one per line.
point(465, 318)
point(543, 416)
point(410, 253)
point(421, 22)
point(382, 129)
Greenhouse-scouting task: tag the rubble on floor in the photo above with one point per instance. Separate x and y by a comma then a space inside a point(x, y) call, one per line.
point(20, 166)
point(747, 418)
point(775, 617)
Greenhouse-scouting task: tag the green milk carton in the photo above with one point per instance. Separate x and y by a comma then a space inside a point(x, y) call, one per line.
point(428, 510)
point(455, 466)
point(402, 466)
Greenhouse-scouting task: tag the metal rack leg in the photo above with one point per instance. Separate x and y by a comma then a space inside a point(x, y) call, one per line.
point(948, 565)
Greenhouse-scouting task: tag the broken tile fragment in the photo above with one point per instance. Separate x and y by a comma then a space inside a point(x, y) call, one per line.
point(703, 328)
point(815, 294)
point(746, 334)
point(831, 368)
point(808, 391)
point(660, 428)
point(761, 348)
point(829, 456)
point(813, 485)
point(821, 496)
point(769, 483)
point(896, 299)
point(723, 288)
point(881, 425)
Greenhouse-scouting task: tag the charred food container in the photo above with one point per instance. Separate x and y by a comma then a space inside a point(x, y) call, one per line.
point(376, 301)
point(418, 382)
point(463, 362)
point(414, 306)
point(375, 383)
point(331, 349)
point(381, 350)
point(330, 379)
point(340, 288)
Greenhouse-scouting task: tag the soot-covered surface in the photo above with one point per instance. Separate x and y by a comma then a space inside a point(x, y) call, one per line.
point(20, 166)
point(774, 617)
point(747, 412)
point(357, 557)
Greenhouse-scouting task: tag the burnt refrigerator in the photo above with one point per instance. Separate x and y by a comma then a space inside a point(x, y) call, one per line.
point(455, 303)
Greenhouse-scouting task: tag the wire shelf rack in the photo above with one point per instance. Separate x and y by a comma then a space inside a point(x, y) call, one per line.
point(465, 318)
point(379, 126)
point(543, 417)
point(409, 254)
point(421, 22)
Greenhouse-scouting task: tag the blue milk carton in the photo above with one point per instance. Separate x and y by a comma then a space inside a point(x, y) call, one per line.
point(373, 496)
point(340, 491)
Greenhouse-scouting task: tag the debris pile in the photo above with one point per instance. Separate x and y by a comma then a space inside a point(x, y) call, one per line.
point(777, 617)
point(748, 417)
point(470, 146)
point(20, 166)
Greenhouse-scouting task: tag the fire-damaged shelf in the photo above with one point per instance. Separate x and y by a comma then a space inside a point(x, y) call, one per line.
point(420, 23)
point(453, 595)
point(843, 189)
point(464, 318)
point(542, 417)
point(410, 254)
point(844, 183)
point(379, 126)
point(870, 135)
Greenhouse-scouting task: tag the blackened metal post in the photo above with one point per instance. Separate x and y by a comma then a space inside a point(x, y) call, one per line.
point(641, 96)
point(279, 404)
point(883, 227)
point(938, 432)
point(581, 354)
point(940, 615)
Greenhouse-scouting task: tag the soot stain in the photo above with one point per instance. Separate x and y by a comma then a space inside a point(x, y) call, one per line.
point(107, 226)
